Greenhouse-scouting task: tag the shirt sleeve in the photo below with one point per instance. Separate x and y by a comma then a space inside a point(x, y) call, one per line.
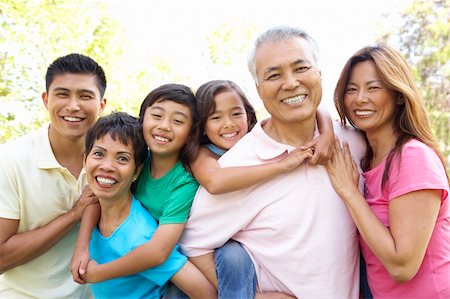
point(213, 220)
point(418, 168)
point(178, 203)
point(9, 196)
point(164, 272)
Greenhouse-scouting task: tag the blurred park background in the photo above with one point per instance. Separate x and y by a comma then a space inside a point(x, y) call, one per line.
point(142, 44)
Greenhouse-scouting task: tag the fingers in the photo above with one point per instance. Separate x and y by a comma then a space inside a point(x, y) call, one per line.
point(75, 274)
point(83, 267)
point(310, 144)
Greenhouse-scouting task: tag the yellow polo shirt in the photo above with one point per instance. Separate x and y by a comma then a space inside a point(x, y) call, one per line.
point(35, 189)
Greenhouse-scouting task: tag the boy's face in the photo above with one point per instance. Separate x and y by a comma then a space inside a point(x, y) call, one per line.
point(110, 168)
point(74, 104)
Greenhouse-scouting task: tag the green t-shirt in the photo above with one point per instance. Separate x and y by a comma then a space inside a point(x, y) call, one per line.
point(168, 199)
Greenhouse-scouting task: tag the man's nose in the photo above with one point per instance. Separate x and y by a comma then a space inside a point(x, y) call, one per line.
point(290, 81)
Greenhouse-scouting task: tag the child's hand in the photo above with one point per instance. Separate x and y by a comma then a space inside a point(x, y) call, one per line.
point(90, 275)
point(295, 158)
point(78, 265)
point(322, 147)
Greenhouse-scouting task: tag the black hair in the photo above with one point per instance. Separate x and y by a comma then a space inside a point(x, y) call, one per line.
point(206, 105)
point(76, 64)
point(183, 95)
point(121, 126)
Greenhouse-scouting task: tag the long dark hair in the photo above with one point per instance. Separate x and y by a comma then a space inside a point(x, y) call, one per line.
point(410, 119)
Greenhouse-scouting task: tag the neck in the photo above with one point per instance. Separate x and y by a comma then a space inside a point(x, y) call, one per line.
point(68, 152)
point(160, 165)
point(381, 143)
point(114, 212)
point(294, 134)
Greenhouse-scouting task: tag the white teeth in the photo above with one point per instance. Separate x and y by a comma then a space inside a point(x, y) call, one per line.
point(106, 181)
point(72, 118)
point(364, 112)
point(294, 100)
point(229, 135)
point(162, 139)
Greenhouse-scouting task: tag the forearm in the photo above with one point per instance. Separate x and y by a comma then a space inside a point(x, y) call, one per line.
point(89, 220)
point(230, 179)
point(148, 255)
point(324, 122)
point(23, 247)
point(375, 234)
point(206, 264)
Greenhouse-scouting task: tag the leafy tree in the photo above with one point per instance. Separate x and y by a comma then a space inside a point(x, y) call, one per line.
point(32, 35)
point(424, 37)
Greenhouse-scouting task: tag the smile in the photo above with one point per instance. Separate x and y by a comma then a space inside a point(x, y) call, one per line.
point(161, 138)
point(294, 100)
point(364, 112)
point(105, 181)
point(72, 119)
point(230, 135)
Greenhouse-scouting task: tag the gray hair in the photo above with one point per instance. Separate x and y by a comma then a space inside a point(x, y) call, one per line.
point(276, 34)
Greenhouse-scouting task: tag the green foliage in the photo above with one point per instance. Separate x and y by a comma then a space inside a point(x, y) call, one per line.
point(226, 41)
point(424, 37)
point(33, 34)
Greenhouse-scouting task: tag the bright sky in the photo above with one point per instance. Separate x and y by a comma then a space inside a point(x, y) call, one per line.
point(176, 31)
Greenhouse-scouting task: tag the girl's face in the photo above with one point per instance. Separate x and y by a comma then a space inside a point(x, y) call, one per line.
point(166, 126)
point(228, 123)
point(368, 103)
point(110, 168)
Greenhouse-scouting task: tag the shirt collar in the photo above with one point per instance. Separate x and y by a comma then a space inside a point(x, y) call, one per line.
point(265, 147)
point(42, 150)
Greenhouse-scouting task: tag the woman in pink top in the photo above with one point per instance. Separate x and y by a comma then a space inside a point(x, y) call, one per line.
point(404, 217)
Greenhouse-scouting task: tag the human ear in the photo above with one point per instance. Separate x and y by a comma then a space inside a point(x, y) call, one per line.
point(400, 99)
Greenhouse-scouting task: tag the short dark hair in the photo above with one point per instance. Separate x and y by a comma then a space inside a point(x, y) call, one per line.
point(122, 126)
point(76, 64)
point(183, 95)
point(206, 105)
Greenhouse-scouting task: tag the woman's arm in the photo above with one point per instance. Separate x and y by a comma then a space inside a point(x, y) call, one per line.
point(412, 216)
point(148, 255)
point(80, 257)
point(217, 180)
point(322, 144)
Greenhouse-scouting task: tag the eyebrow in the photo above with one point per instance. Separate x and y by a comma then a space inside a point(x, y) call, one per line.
point(77, 90)
point(275, 68)
point(163, 110)
point(369, 82)
point(104, 149)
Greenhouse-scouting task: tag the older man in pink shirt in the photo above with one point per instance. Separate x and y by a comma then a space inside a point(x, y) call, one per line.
point(294, 227)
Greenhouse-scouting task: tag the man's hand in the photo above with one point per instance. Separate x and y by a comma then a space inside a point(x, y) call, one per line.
point(87, 197)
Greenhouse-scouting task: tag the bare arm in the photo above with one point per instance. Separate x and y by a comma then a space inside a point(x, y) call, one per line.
point(19, 248)
point(206, 264)
point(80, 257)
point(193, 283)
point(322, 144)
point(148, 255)
point(401, 247)
point(217, 180)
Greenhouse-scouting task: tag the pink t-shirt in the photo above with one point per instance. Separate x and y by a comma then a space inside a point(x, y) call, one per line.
point(420, 168)
point(295, 227)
